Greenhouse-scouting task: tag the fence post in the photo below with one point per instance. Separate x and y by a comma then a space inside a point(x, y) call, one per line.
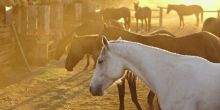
point(161, 16)
point(218, 13)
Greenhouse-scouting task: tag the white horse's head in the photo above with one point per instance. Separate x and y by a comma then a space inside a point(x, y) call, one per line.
point(109, 68)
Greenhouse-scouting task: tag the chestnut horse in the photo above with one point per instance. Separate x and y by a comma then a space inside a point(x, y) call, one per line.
point(203, 44)
point(183, 10)
point(212, 25)
point(143, 13)
point(116, 14)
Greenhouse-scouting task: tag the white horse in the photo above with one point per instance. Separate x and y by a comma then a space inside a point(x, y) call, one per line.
point(181, 82)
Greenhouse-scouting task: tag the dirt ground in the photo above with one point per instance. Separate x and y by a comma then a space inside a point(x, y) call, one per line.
point(53, 88)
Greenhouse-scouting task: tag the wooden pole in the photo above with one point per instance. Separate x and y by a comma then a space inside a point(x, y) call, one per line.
point(218, 13)
point(161, 16)
point(21, 49)
point(2, 15)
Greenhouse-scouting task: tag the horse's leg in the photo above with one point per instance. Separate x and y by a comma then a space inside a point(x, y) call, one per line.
point(132, 86)
point(197, 19)
point(137, 25)
point(125, 23)
point(183, 22)
point(142, 23)
point(146, 23)
point(180, 21)
point(150, 100)
point(87, 62)
point(121, 92)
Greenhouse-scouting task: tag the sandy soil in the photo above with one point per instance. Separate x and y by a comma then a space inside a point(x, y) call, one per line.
point(53, 88)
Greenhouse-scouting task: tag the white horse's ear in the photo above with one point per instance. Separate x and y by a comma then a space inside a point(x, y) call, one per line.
point(105, 41)
point(120, 38)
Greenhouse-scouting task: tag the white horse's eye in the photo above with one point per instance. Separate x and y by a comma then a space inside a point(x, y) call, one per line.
point(100, 61)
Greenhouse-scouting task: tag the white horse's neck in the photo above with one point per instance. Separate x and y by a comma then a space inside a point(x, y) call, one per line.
point(152, 65)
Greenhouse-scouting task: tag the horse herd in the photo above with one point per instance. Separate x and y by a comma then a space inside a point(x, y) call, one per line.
point(144, 14)
point(87, 41)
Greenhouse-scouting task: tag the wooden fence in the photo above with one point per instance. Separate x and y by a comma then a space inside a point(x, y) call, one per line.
point(7, 47)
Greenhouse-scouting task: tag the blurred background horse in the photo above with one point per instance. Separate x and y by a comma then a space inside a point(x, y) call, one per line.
point(116, 14)
point(143, 14)
point(183, 10)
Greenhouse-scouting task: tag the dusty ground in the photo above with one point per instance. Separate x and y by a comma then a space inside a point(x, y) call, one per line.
point(52, 88)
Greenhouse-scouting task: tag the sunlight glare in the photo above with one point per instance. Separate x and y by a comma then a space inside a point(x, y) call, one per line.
point(8, 8)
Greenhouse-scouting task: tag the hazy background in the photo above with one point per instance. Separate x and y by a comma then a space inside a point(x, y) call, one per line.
point(206, 4)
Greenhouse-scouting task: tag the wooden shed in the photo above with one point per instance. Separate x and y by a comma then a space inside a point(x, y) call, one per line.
point(38, 23)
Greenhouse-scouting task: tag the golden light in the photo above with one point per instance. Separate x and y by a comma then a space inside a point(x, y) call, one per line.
point(206, 4)
point(8, 8)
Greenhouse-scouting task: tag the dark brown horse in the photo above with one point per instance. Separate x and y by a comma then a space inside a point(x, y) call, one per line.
point(183, 10)
point(143, 14)
point(116, 14)
point(201, 44)
point(80, 46)
point(212, 25)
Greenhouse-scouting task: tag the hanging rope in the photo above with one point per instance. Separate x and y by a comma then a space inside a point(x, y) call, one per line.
point(21, 48)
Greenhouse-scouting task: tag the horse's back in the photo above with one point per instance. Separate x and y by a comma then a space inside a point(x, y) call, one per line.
point(203, 44)
point(87, 43)
point(212, 25)
point(188, 9)
point(116, 13)
point(142, 13)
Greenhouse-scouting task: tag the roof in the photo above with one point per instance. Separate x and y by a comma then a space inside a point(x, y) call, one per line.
point(28, 2)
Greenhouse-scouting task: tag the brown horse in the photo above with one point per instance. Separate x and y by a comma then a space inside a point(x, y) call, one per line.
point(89, 27)
point(116, 14)
point(201, 44)
point(143, 13)
point(183, 10)
point(212, 25)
